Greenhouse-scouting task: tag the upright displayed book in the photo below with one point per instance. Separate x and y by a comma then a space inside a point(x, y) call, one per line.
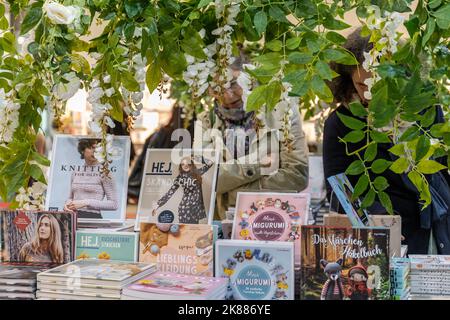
point(344, 263)
point(90, 279)
point(400, 278)
point(271, 217)
point(178, 186)
point(175, 286)
point(256, 270)
point(18, 280)
point(179, 248)
point(38, 236)
point(77, 184)
point(343, 190)
point(122, 246)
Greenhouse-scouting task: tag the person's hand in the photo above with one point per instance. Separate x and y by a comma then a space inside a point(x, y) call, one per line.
point(77, 204)
point(154, 208)
point(69, 206)
point(266, 161)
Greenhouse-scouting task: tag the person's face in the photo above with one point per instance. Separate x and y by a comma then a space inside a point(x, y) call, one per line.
point(44, 229)
point(88, 154)
point(185, 165)
point(359, 75)
point(358, 277)
point(231, 98)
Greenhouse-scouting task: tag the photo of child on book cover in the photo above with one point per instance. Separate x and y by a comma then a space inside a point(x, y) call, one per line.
point(344, 263)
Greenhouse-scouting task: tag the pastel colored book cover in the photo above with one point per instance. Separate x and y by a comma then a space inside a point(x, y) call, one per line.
point(271, 217)
point(344, 263)
point(178, 186)
point(180, 248)
point(122, 246)
point(256, 270)
point(177, 284)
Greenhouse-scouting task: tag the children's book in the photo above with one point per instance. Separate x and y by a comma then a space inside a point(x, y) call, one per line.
point(256, 270)
point(344, 263)
point(179, 248)
point(122, 246)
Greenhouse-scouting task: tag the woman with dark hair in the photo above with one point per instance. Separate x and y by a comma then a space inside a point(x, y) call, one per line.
point(349, 86)
point(90, 191)
point(191, 208)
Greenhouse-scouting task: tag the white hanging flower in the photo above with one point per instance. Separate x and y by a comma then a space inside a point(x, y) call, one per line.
point(60, 14)
point(66, 90)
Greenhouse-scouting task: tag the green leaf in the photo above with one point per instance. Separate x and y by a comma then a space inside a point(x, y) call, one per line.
point(32, 18)
point(40, 159)
point(358, 109)
point(380, 165)
point(368, 199)
point(354, 136)
point(193, 44)
point(355, 168)
point(430, 166)
point(443, 17)
point(277, 14)
point(257, 98)
point(371, 152)
point(340, 56)
point(431, 24)
point(273, 94)
point(351, 122)
point(380, 183)
point(324, 70)
point(360, 187)
point(80, 64)
point(129, 82)
point(204, 3)
point(428, 118)
point(380, 137)
point(36, 173)
point(398, 149)
point(332, 24)
point(300, 57)
point(293, 43)
point(422, 147)
point(336, 37)
point(410, 134)
point(133, 8)
point(321, 89)
point(274, 45)
point(4, 25)
point(400, 165)
point(153, 76)
point(260, 22)
point(386, 202)
point(433, 4)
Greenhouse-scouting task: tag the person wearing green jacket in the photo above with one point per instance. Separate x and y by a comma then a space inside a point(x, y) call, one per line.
point(253, 157)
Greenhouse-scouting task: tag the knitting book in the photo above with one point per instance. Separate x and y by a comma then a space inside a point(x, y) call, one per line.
point(256, 270)
point(343, 190)
point(38, 236)
point(122, 246)
point(77, 182)
point(179, 248)
point(178, 186)
point(344, 263)
point(271, 217)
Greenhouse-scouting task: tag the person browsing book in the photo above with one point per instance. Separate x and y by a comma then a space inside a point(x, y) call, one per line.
point(350, 86)
point(255, 162)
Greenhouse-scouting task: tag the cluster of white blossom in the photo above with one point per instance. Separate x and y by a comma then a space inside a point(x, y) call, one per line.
point(286, 106)
point(226, 13)
point(133, 100)
point(385, 26)
point(9, 116)
point(32, 198)
point(61, 14)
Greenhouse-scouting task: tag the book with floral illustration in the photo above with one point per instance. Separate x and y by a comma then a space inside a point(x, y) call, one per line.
point(180, 248)
point(160, 285)
point(256, 270)
point(122, 246)
point(271, 217)
point(178, 186)
point(344, 263)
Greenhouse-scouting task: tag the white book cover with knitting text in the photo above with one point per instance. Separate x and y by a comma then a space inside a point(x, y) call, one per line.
point(77, 183)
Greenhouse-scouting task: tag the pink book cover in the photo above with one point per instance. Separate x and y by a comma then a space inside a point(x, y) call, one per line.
point(178, 284)
point(271, 217)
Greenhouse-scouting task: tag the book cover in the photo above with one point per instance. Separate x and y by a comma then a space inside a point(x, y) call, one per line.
point(343, 190)
point(430, 262)
point(271, 217)
point(178, 186)
point(98, 269)
point(169, 283)
point(19, 274)
point(122, 246)
point(77, 184)
point(180, 248)
point(256, 270)
point(38, 236)
point(344, 263)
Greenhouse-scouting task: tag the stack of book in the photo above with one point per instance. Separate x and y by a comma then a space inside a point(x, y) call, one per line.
point(430, 277)
point(174, 286)
point(90, 279)
point(399, 273)
point(18, 282)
